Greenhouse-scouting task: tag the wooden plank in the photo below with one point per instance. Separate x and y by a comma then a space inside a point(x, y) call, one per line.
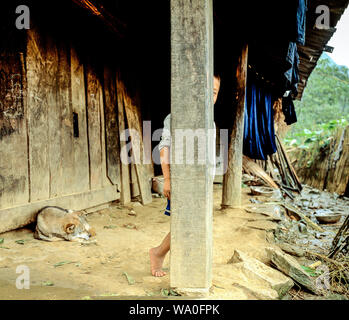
point(231, 195)
point(81, 173)
point(254, 169)
point(105, 180)
point(124, 169)
point(20, 216)
point(302, 216)
point(39, 72)
point(289, 165)
point(94, 128)
point(191, 108)
point(143, 177)
point(55, 104)
point(112, 127)
point(66, 119)
point(14, 186)
point(134, 182)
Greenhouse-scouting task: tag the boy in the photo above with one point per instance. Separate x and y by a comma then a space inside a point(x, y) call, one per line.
point(157, 254)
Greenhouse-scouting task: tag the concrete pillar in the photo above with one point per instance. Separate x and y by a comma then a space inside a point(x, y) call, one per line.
point(191, 109)
point(231, 195)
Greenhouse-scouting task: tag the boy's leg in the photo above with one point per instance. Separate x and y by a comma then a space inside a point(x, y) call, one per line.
point(157, 256)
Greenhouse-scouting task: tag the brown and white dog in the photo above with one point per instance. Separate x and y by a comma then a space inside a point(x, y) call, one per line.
point(55, 223)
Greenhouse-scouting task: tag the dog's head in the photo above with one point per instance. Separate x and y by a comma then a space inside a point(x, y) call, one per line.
point(76, 226)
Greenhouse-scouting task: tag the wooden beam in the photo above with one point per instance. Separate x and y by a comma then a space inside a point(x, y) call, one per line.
point(231, 196)
point(191, 109)
point(112, 23)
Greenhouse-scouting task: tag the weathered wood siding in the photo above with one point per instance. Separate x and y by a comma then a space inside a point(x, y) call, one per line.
point(55, 107)
point(13, 132)
point(112, 127)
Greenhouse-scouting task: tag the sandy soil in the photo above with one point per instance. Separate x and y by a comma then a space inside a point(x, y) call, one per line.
point(97, 270)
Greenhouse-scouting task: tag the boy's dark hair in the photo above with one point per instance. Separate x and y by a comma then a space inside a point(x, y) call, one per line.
point(217, 76)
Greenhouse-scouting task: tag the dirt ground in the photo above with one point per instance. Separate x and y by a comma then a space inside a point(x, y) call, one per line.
point(97, 270)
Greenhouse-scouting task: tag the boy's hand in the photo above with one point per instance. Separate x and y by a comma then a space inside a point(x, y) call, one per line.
point(167, 189)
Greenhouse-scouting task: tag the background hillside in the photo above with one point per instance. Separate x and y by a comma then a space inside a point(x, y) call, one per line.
point(325, 103)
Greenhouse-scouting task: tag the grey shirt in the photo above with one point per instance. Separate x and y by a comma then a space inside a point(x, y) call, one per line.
point(166, 133)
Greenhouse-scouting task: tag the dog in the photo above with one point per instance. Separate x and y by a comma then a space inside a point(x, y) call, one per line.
point(55, 223)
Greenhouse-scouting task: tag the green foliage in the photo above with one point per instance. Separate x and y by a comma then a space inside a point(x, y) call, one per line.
point(311, 272)
point(325, 100)
point(312, 145)
point(319, 137)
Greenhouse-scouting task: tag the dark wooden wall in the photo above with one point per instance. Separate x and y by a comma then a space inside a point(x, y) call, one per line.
point(14, 179)
point(59, 131)
point(63, 83)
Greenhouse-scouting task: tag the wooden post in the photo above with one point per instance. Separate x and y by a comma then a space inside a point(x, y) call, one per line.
point(231, 196)
point(191, 110)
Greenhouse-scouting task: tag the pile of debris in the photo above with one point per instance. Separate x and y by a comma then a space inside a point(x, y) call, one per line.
point(313, 225)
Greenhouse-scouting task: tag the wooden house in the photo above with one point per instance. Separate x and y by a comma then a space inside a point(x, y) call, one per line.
point(87, 69)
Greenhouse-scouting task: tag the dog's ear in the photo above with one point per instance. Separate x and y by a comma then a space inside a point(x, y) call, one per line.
point(69, 228)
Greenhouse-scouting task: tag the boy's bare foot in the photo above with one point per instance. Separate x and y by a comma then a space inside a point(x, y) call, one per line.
point(156, 261)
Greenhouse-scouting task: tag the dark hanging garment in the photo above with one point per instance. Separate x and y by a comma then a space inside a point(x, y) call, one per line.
point(295, 75)
point(301, 21)
point(292, 73)
point(259, 135)
point(291, 83)
point(289, 110)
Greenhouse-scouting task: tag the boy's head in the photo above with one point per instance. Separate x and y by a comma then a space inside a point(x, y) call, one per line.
point(216, 86)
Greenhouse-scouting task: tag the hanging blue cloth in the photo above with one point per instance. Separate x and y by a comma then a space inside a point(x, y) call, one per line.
point(259, 134)
point(301, 21)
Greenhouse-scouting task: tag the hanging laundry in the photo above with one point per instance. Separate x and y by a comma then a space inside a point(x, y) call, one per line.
point(301, 21)
point(291, 83)
point(288, 110)
point(259, 134)
point(291, 74)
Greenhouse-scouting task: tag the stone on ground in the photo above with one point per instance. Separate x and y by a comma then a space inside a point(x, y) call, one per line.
point(290, 266)
point(271, 277)
point(262, 225)
point(234, 278)
point(291, 249)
